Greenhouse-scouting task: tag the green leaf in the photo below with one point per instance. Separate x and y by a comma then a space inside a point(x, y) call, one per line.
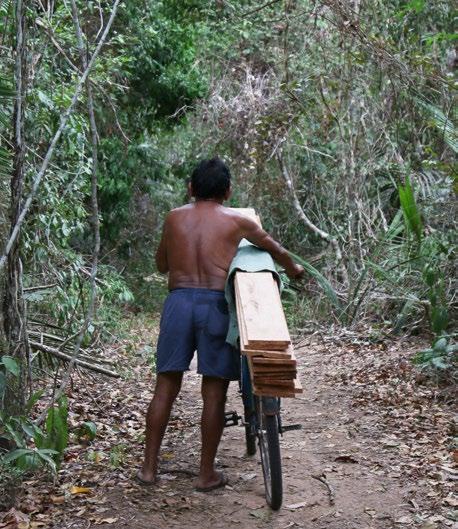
point(33, 399)
point(14, 435)
point(410, 210)
point(88, 430)
point(440, 345)
point(442, 123)
point(48, 460)
point(15, 454)
point(320, 279)
point(439, 319)
point(438, 362)
point(11, 365)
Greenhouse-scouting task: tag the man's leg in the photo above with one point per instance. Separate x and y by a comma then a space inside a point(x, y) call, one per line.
point(167, 388)
point(214, 396)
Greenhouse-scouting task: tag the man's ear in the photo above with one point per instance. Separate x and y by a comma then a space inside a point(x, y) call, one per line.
point(228, 194)
point(190, 191)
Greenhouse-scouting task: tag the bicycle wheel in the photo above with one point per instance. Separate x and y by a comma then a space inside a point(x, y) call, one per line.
point(269, 446)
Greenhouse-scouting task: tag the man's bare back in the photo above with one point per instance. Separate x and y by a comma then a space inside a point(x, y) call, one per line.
point(200, 240)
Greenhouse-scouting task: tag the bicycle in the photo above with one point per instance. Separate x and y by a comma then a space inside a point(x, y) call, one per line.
point(262, 422)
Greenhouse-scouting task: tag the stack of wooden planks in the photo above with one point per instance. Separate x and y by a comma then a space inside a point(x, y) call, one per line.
point(264, 335)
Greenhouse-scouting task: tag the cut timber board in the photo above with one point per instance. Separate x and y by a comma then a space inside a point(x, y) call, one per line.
point(287, 354)
point(241, 322)
point(278, 391)
point(258, 379)
point(274, 369)
point(272, 382)
point(267, 354)
point(261, 311)
point(259, 361)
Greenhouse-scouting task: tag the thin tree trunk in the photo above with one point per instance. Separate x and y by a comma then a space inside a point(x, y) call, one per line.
point(94, 205)
point(13, 302)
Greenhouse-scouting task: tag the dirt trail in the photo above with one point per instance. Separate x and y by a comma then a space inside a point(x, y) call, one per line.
point(380, 442)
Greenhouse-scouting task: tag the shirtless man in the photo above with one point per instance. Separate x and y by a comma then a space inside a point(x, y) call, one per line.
point(198, 243)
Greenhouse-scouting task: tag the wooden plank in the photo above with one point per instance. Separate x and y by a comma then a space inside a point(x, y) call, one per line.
point(257, 353)
point(274, 369)
point(273, 381)
point(259, 361)
point(278, 391)
point(262, 311)
point(266, 383)
point(241, 320)
point(285, 375)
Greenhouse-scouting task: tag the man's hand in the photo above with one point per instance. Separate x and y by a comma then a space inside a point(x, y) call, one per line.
point(295, 272)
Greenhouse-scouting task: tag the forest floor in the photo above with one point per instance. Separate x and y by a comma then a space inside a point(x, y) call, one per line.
point(375, 430)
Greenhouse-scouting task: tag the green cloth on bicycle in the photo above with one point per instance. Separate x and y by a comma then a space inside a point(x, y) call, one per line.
point(249, 258)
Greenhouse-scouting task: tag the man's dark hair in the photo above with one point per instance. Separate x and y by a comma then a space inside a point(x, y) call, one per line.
point(211, 179)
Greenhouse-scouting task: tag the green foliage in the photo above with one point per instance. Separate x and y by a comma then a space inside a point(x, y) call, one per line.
point(442, 356)
point(409, 208)
point(442, 123)
point(87, 431)
point(55, 437)
point(16, 432)
point(10, 364)
point(118, 455)
point(324, 283)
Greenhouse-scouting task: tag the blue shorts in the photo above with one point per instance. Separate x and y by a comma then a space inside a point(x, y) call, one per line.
point(196, 319)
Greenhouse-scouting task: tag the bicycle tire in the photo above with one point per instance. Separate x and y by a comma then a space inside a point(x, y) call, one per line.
point(269, 447)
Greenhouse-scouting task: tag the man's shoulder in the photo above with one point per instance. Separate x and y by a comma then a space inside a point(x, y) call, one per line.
point(231, 212)
point(177, 211)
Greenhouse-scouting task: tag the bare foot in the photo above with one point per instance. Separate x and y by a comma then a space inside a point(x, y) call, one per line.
point(146, 477)
point(212, 482)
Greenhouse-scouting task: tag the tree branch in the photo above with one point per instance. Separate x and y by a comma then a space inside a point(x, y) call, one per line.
point(308, 223)
point(70, 358)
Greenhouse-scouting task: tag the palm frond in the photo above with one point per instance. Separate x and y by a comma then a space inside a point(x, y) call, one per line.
point(442, 123)
point(328, 289)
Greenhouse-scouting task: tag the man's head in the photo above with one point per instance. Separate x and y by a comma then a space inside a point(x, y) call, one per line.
point(211, 179)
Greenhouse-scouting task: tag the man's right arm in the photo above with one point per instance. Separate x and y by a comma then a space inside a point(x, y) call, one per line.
point(257, 236)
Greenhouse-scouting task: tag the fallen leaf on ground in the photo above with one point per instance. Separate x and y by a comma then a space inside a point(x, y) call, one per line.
point(105, 520)
point(295, 506)
point(247, 477)
point(79, 490)
point(15, 519)
point(428, 525)
point(404, 520)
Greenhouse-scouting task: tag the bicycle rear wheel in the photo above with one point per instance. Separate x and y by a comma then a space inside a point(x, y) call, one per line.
point(269, 446)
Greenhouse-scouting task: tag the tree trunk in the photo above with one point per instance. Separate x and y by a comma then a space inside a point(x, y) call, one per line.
point(14, 314)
